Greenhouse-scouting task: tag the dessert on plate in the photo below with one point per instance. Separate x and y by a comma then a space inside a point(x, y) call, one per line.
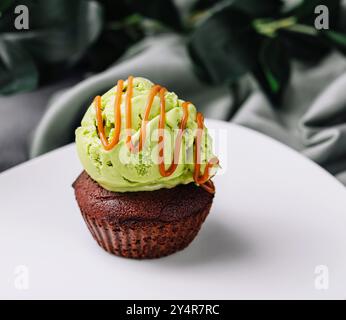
point(146, 187)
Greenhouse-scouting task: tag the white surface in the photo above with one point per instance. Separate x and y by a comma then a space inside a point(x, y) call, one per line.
point(275, 218)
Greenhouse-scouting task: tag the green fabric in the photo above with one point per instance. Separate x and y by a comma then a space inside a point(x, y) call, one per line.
point(312, 119)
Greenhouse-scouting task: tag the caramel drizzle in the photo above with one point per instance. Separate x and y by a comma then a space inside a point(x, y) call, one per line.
point(201, 179)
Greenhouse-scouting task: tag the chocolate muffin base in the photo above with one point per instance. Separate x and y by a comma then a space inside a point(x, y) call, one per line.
point(157, 230)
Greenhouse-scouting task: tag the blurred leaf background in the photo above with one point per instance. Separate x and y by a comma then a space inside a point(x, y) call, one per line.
point(226, 39)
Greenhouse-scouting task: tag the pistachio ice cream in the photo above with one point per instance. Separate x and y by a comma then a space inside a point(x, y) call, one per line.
point(119, 169)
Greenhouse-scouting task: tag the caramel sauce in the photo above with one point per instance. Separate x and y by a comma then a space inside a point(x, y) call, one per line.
point(203, 179)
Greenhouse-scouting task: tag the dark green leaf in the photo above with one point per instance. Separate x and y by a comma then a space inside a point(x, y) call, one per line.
point(110, 46)
point(6, 15)
point(255, 8)
point(163, 11)
point(305, 47)
point(303, 41)
point(273, 69)
point(201, 5)
point(4, 5)
point(115, 11)
point(61, 30)
point(335, 39)
point(17, 69)
point(225, 46)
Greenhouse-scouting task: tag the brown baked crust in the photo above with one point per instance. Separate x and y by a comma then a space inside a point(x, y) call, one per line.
point(148, 224)
point(163, 204)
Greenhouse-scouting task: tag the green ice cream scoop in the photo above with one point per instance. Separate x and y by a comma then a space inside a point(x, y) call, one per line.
point(121, 170)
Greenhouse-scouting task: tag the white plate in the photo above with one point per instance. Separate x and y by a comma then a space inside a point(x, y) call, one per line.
point(276, 230)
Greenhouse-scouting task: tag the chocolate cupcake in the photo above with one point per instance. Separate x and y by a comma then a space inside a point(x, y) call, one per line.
point(142, 224)
point(148, 160)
